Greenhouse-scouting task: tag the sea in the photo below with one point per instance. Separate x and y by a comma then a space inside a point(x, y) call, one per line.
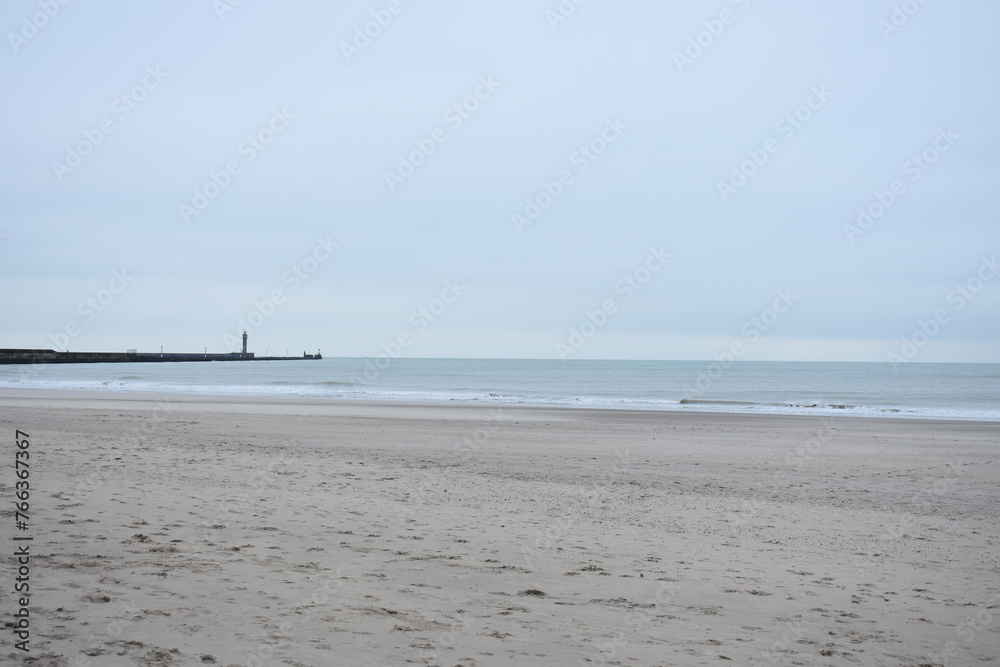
point(908, 390)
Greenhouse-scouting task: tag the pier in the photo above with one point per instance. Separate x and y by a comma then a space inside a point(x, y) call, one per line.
point(27, 356)
point(52, 357)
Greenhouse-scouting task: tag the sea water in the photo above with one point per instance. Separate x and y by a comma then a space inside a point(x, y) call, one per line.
point(924, 390)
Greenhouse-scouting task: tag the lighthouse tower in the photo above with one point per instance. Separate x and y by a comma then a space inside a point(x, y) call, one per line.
point(244, 342)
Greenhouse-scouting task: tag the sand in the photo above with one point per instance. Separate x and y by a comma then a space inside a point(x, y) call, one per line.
point(178, 530)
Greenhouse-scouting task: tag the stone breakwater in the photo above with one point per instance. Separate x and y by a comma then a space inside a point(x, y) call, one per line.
point(8, 356)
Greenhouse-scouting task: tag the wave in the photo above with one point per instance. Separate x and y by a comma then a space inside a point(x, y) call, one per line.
point(340, 390)
point(826, 406)
point(327, 383)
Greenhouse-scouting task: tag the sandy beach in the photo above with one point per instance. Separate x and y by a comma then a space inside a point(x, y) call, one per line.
point(184, 530)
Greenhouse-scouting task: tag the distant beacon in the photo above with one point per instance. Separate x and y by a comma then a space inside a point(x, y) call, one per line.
point(244, 342)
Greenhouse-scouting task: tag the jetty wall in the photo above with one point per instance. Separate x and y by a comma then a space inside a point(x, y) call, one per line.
point(17, 356)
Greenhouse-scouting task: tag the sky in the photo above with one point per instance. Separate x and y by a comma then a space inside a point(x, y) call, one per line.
point(525, 179)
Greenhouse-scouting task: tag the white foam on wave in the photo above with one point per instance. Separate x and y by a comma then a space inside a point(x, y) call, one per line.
point(346, 391)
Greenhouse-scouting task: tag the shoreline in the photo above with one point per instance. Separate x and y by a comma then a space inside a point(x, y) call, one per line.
point(345, 406)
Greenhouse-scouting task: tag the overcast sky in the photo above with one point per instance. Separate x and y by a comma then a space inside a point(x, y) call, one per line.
point(173, 173)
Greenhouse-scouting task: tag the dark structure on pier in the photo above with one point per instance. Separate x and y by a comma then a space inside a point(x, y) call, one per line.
point(13, 356)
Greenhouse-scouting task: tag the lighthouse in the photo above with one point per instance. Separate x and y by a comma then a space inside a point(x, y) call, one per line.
point(244, 342)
